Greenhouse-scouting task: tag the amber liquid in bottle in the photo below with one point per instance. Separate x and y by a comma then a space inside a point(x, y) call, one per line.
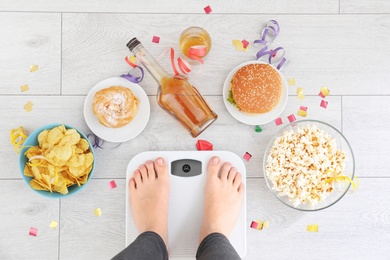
point(176, 95)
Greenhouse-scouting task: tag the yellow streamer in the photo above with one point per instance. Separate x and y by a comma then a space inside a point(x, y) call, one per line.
point(17, 137)
point(345, 179)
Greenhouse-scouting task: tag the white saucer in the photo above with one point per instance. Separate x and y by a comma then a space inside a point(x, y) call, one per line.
point(127, 132)
point(254, 119)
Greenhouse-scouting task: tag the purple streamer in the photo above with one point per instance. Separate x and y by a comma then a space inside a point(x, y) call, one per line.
point(132, 78)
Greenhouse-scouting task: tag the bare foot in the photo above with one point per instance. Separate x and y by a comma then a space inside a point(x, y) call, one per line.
point(222, 198)
point(149, 197)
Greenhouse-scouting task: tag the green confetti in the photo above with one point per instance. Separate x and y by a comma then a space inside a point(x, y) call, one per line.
point(258, 129)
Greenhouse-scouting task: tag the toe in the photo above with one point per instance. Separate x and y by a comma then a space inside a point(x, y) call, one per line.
point(132, 184)
point(137, 177)
point(150, 170)
point(232, 174)
point(144, 172)
point(161, 168)
point(225, 171)
point(241, 188)
point(214, 166)
point(237, 180)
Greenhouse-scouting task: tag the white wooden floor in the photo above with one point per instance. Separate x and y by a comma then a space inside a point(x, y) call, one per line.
point(341, 44)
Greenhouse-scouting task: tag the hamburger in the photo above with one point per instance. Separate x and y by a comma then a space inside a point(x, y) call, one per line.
point(255, 88)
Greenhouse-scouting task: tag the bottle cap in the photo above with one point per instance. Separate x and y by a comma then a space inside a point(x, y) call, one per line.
point(133, 43)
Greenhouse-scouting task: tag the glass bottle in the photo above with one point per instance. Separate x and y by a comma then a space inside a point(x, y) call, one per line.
point(176, 95)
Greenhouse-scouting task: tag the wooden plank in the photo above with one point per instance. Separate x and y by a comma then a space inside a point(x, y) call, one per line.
point(30, 39)
point(161, 133)
point(363, 6)
point(21, 209)
point(80, 226)
point(174, 6)
point(322, 49)
point(359, 218)
point(366, 124)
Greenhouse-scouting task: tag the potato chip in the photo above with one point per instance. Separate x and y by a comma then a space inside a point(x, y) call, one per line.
point(61, 159)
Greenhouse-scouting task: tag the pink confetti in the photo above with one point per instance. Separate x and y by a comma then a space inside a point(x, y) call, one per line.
point(112, 184)
point(245, 43)
point(207, 9)
point(247, 156)
point(254, 224)
point(278, 121)
point(33, 232)
point(291, 118)
point(156, 39)
point(203, 145)
point(321, 95)
point(324, 104)
point(303, 108)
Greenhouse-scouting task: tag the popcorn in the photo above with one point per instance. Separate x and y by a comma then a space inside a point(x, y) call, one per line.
point(300, 162)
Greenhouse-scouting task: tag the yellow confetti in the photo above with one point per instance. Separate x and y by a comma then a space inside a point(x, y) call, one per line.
point(24, 88)
point(301, 96)
point(17, 137)
point(265, 224)
point(53, 224)
point(239, 45)
point(97, 212)
point(28, 106)
point(299, 91)
point(34, 68)
point(325, 91)
point(291, 82)
point(312, 228)
point(302, 113)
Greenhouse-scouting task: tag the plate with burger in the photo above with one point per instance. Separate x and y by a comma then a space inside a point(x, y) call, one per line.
point(255, 93)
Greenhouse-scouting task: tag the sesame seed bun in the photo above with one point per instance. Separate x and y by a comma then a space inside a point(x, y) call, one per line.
point(256, 88)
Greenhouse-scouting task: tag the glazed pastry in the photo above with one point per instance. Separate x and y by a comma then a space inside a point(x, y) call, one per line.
point(115, 106)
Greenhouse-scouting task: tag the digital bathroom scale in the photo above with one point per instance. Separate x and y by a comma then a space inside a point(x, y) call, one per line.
point(187, 173)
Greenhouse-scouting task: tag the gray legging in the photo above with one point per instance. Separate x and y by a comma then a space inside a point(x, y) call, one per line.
point(150, 246)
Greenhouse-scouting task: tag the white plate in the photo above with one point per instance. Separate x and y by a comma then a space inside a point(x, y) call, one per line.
point(254, 119)
point(127, 132)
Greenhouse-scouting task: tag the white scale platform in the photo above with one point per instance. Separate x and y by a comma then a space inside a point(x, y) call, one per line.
point(186, 199)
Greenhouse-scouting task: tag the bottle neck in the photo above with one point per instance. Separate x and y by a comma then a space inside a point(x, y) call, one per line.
point(150, 63)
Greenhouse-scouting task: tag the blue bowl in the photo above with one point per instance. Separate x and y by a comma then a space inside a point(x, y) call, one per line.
point(32, 140)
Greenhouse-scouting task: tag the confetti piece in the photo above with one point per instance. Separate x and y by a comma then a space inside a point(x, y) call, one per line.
point(291, 82)
point(258, 129)
point(291, 118)
point(325, 91)
point(207, 9)
point(254, 224)
point(97, 212)
point(156, 39)
point(321, 95)
point(299, 91)
point(301, 96)
point(33, 232)
point(112, 184)
point(324, 104)
point(28, 106)
point(33, 68)
point(239, 45)
point(278, 121)
point(312, 228)
point(245, 43)
point(131, 60)
point(24, 88)
point(259, 225)
point(53, 224)
point(247, 156)
point(17, 137)
point(303, 108)
point(203, 145)
point(302, 113)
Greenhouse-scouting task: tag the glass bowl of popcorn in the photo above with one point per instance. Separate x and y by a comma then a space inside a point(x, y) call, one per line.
point(309, 165)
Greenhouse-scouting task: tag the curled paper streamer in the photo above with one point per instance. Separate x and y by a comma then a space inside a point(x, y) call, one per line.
point(98, 142)
point(344, 179)
point(133, 78)
point(17, 137)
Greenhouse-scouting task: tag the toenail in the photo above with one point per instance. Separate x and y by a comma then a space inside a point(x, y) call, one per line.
point(215, 160)
point(160, 161)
